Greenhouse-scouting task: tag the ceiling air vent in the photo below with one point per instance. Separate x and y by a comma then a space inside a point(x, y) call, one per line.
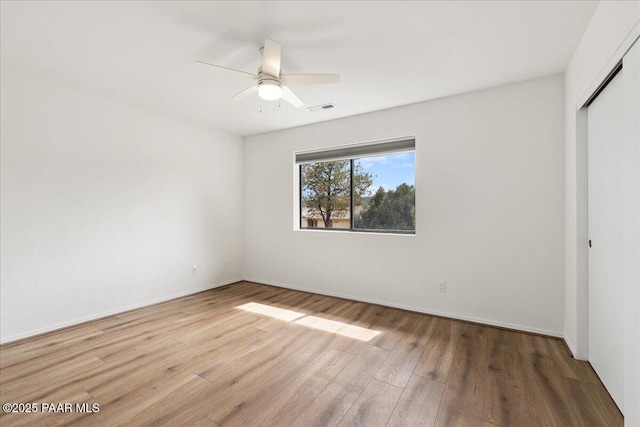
point(321, 107)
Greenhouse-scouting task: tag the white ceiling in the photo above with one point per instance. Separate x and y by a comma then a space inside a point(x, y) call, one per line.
point(387, 53)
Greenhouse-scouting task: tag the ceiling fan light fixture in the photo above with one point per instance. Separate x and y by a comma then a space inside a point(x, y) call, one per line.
point(269, 90)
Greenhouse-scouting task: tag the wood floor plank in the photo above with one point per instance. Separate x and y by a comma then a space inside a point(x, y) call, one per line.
point(44, 345)
point(183, 407)
point(118, 354)
point(36, 386)
point(547, 397)
point(257, 359)
point(127, 403)
point(533, 345)
point(437, 357)
point(419, 403)
point(31, 365)
point(591, 405)
point(336, 399)
point(212, 328)
point(280, 383)
point(241, 402)
point(215, 352)
point(399, 366)
point(393, 325)
point(462, 402)
point(130, 320)
point(135, 370)
point(293, 398)
point(204, 360)
point(505, 402)
point(374, 405)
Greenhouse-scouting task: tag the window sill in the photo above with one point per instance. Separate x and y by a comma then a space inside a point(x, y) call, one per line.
point(344, 231)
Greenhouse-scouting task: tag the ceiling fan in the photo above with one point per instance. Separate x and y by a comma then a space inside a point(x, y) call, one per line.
point(271, 84)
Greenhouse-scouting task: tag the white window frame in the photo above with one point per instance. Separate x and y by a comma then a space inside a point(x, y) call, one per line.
point(347, 152)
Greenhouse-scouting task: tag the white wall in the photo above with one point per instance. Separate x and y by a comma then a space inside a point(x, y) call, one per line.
point(609, 27)
point(106, 206)
point(489, 210)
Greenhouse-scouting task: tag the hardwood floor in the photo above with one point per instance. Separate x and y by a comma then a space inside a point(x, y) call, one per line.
point(255, 355)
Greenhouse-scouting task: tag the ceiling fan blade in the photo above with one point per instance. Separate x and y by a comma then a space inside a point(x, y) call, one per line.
point(230, 70)
point(246, 92)
point(291, 98)
point(309, 79)
point(271, 58)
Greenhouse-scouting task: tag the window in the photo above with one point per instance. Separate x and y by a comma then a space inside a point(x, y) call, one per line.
point(369, 187)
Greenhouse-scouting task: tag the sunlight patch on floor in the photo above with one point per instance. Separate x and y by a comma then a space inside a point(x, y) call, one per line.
point(267, 310)
point(313, 322)
point(340, 328)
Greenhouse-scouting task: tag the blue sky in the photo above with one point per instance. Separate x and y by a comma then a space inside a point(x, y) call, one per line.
point(391, 170)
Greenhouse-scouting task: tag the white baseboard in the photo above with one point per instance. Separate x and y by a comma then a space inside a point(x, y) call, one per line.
point(5, 340)
point(456, 316)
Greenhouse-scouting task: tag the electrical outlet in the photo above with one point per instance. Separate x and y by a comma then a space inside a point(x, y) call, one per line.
point(194, 269)
point(442, 286)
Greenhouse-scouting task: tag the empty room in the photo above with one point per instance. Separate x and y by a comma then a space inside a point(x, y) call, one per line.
point(320, 213)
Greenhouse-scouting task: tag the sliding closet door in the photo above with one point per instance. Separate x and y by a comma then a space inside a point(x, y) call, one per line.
point(613, 221)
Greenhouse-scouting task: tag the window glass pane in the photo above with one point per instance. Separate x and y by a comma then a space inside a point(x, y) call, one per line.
point(326, 193)
point(388, 201)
